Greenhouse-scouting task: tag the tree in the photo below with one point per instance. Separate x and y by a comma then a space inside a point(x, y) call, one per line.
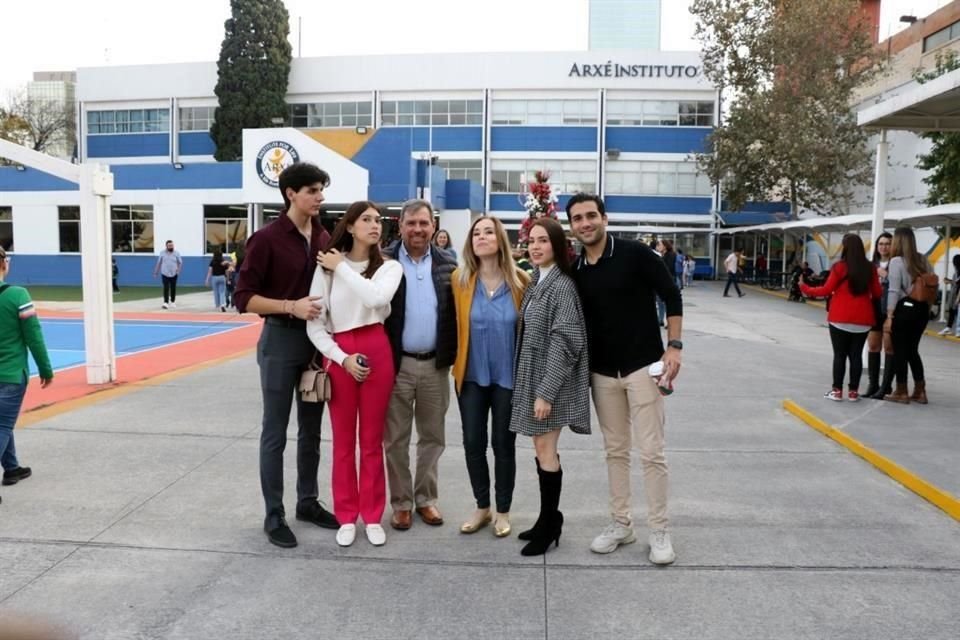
point(37, 123)
point(253, 71)
point(789, 69)
point(943, 160)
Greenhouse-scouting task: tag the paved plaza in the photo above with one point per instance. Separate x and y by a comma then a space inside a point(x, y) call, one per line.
point(143, 517)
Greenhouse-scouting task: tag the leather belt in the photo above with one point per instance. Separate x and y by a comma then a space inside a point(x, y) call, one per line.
point(286, 321)
point(423, 355)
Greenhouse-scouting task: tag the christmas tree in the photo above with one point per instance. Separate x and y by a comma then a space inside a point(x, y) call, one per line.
point(539, 202)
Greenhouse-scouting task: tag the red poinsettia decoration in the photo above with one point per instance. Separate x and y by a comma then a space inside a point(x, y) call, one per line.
point(538, 202)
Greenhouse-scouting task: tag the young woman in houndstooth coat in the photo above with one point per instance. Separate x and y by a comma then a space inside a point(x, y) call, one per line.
point(552, 379)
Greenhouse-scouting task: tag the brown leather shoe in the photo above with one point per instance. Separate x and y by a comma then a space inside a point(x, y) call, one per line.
point(899, 394)
point(919, 392)
point(430, 515)
point(402, 519)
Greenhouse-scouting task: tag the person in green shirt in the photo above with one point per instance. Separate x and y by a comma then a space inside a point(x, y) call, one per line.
point(19, 331)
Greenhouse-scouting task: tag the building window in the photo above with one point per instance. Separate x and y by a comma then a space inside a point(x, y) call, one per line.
point(6, 228)
point(463, 169)
point(69, 222)
point(941, 37)
point(331, 115)
point(128, 121)
point(425, 113)
point(544, 112)
point(224, 227)
point(566, 176)
point(628, 177)
point(131, 227)
point(659, 113)
point(196, 118)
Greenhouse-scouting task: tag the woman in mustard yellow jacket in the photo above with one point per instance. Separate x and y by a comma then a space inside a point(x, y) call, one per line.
point(487, 291)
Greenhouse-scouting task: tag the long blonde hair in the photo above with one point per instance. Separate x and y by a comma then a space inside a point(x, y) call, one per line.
point(515, 277)
point(905, 247)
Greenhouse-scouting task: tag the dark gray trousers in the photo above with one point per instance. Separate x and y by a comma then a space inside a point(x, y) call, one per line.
point(283, 353)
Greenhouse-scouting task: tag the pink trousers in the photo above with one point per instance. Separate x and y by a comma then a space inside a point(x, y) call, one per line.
point(360, 409)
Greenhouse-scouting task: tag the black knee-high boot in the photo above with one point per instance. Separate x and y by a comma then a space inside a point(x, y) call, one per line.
point(873, 373)
point(528, 534)
point(550, 523)
point(886, 387)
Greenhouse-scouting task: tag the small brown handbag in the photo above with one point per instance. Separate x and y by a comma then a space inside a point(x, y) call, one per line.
point(315, 382)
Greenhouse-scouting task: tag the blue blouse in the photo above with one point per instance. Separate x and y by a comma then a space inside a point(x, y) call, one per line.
point(493, 327)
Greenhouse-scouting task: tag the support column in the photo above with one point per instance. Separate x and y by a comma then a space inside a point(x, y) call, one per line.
point(784, 259)
point(946, 273)
point(756, 240)
point(96, 186)
point(879, 189)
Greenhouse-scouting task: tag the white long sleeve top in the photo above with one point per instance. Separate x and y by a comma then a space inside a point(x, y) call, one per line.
point(350, 301)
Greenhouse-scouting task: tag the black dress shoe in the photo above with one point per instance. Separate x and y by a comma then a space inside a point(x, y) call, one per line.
point(13, 476)
point(315, 513)
point(279, 534)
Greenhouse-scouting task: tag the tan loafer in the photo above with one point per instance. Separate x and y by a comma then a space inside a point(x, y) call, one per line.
point(479, 519)
point(501, 525)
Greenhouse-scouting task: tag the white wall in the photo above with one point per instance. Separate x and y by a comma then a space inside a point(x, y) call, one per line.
point(457, 224)
point(36, 229)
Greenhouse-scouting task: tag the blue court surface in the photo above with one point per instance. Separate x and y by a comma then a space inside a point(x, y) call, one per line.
point(64, 337)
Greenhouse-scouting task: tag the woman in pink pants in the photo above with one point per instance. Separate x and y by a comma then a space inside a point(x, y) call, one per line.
point(355, 287)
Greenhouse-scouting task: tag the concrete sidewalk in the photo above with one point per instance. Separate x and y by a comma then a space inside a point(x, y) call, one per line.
point(143, 518)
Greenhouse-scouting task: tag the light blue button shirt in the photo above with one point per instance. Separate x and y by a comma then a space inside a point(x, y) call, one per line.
point(420, 316)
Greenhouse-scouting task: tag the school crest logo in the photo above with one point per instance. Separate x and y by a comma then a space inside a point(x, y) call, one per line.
point(273, 158)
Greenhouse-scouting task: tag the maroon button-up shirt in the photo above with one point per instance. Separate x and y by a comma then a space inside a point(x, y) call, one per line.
point(278, 263)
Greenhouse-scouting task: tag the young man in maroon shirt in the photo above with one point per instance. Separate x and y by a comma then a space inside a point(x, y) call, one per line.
point(274, 282)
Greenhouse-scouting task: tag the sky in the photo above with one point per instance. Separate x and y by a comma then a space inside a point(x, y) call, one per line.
point(54, 35)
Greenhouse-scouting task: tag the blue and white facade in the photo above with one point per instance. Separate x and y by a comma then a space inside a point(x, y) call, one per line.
point(621, 123)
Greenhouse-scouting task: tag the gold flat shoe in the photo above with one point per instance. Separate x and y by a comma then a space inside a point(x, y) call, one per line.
point(480, 519)
point(501, 525)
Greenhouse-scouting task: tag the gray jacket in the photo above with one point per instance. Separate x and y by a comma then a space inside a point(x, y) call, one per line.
point(551, 361)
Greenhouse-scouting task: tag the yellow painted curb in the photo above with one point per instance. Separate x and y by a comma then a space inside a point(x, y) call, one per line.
point(49, 411)
point(936, 496)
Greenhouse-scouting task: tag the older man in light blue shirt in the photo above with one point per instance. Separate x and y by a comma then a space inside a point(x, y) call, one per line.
point(423, 333)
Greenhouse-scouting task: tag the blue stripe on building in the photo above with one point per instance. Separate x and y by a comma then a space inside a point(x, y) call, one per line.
point(658, 139)
point(543, 139)
point(514, 202)
point(196, 143)
point(657, 204)
point(387, 158)
point(27, 179)
point(130, 145)
point(135, 270)
point(204, 175)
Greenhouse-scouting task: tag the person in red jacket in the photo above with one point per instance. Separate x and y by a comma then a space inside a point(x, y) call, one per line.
point(853, 285)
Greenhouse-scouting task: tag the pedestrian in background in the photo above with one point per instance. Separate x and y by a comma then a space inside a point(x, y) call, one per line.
point(907, 315)
point(487, 291)
point(732, 265)
point(953, 299)
point(876, 339)
point(169, 264)
point(19, 332)
point(443, 241)
point(217, 279)
point(552, 376)
point(852, 287)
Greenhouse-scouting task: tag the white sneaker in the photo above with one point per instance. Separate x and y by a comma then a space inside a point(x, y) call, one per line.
point(376, 535)
point(346, 535)
point(661, 550)
point(944, 332)
point(164, 306)
point(612, 537)
point(173, 305)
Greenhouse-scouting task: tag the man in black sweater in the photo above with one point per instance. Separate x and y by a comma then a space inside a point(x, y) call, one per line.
point(618, 281)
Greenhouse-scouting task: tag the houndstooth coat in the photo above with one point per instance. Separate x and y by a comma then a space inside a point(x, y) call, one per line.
point(551, 361)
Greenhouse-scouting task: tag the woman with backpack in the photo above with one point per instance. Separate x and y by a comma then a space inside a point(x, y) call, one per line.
point(853, 286)
point(913, 287)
